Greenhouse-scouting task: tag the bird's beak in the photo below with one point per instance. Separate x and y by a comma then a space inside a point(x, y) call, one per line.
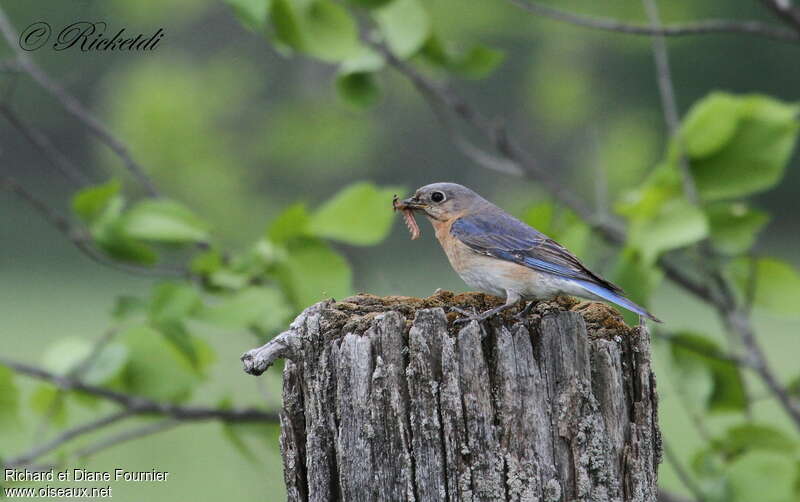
point(412, 203)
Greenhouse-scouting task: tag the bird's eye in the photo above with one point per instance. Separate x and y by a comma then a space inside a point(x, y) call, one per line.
point(437, 197)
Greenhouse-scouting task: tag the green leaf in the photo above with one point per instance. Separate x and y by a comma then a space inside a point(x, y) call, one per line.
point(405, 24)
point(370, 4)
point(107, 365)
point(793, 387)
point(361, 214)
point(157, 369)
point(207, 262)
point(319, 28)
point(358, 88)
point(175, 332)
point(710, 124)
point(291, 223)
point(173, 301)
point(763, 477)
point(777, 284)
point(477, 62)
point(9, 398)
point(734, 226)
point(101, 208)
point(676, 224)
point(126, 307)
point(744, 438)
point(251, 13)
point(265, 306)
point(755, 157)
point(312, 272)
point(65, 354)
point(49, 401)
point(90, 203)
point(163, 221)
point(694, 356)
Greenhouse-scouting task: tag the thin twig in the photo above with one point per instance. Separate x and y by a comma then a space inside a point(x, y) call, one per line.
point(665, 496)
point(142, 405)
point(608, 229)
point(67, 436)
point(80, 237)
point(725, 302)
point(669, 104)
point(125, 436)
point(681, 472)
point(711, 354)
point(707, 27)
point(74, 107)
point(785, 11)
point(39, 140)
point(78, 371)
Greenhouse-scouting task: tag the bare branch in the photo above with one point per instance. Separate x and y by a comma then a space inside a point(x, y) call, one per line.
point(74, 107)
point(785, 11)
point(497, 135)
point(741, 324)
point(66, 436)
point(711, 354)
point(683, 476)
point(39, 140)
point(125, 436)
point(668, 103)
point(665, 496)
point(725, 304)
point(708, 27)
point(141, 405)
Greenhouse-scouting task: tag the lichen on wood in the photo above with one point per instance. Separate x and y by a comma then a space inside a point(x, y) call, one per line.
point(386, 399)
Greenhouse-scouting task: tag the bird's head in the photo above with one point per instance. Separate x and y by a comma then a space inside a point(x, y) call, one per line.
point(442, 201)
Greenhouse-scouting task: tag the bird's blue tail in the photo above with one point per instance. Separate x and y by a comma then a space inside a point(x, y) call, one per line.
point(607, 294)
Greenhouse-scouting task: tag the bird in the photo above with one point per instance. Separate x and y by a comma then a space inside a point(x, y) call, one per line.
point(500, 255)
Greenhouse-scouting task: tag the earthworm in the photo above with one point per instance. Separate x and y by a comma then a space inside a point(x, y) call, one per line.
point(408, 217)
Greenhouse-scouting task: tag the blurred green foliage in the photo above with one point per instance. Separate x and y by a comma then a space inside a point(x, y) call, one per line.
point(196, 120)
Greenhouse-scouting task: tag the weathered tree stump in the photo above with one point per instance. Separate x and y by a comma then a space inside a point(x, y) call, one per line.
point(385, 399)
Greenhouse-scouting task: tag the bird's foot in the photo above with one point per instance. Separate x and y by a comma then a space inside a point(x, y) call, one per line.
point(474, 316)
point(523, 314)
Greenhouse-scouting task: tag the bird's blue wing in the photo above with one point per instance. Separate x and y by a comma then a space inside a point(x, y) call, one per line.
point(502, 236)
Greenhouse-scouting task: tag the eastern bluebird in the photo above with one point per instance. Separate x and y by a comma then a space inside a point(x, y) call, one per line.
point(497, 254)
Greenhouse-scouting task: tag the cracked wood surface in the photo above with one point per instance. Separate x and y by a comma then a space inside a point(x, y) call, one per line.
point(384, 399)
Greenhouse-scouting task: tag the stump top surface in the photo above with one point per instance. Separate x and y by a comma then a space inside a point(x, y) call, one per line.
point(602, 321)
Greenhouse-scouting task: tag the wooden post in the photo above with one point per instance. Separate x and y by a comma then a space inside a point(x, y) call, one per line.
point(384, 399)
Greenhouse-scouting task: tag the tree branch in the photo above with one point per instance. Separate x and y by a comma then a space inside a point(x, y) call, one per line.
point(140, 405)
point(44, 145)
point(785, 11)
point(74, 107)
point(80, 238)
point(129, 435)
point(708, 27)
point(497, 135)
point(66, 436)
point(725, 305)
point(683, 476)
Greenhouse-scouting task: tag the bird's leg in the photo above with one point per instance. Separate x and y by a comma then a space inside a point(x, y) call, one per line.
point(511, 299)
point(525, 311)
point(464, 312)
